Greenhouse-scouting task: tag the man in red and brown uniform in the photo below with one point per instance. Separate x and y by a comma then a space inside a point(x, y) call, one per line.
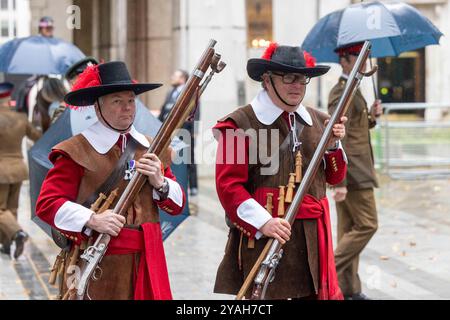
point(249, 169)
point(134, 266)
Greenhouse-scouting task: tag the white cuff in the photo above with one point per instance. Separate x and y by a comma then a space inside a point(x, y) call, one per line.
point(344, 155)
point(175, 193)
point(72, 216)
point(254, 214)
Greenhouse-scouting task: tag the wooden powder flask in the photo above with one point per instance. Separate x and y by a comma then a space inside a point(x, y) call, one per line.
point(269, 208)
point(98, 208)
point(281, 201)
point(55, 268)
point(96, 205)
point(109, 201)
point(290, 188)
point(269, 204)
point(298, 167)
point(100, 205)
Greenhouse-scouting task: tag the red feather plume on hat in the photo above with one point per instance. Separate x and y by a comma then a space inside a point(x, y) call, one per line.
point(309, 59)
point(267, 55)
point(90, 77)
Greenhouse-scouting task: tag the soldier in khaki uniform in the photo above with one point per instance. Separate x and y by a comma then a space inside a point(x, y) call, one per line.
point(71, 76)
point(13, 127)
point(355, 202)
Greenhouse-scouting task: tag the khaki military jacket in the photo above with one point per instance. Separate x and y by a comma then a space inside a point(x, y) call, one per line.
point(360, 172)
point(13, 127)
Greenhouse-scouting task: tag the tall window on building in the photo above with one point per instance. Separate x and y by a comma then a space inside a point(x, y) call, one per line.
point(4, 4)
point(259, 23)
point(4, 32)
point(402, 79)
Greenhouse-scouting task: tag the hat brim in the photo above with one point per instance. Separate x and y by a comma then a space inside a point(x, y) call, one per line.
point(88, 96)
point(257, 67)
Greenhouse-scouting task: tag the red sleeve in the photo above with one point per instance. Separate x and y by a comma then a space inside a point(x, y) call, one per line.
point(168, 205)
point(231, 174)
point(336, 167)
point(60, 185)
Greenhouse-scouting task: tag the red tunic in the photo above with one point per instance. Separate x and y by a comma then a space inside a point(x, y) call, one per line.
point(230, 178)
point(62, 184)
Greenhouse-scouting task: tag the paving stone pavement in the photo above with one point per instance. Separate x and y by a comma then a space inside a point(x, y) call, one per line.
point(408, 258)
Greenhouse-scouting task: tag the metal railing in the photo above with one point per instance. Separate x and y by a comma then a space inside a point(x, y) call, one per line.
point(412, 146)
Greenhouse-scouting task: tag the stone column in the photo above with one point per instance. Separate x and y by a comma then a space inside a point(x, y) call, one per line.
point(224, 21)
point(149, 45)
point(54, 9)
point(83, 38)
point(118, 31)
point(101, 41)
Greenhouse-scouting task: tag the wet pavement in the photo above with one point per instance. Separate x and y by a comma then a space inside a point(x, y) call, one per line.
point(408, 258)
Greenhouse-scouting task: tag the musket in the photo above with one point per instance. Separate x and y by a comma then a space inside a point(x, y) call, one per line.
point(263, 271)
point(178, 115)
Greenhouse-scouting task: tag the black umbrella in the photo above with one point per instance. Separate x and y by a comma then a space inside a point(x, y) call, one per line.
point(72, 122)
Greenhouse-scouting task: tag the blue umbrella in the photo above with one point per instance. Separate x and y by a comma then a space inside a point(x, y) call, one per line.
point(392, 28)
point(72, 122)
point(38, 55)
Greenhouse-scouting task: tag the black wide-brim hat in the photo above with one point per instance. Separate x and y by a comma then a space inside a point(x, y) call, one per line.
point(285, 59)
point(100, 80)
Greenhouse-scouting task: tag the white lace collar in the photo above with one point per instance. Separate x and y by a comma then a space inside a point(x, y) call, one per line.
point(102, 138)
point(267, 112)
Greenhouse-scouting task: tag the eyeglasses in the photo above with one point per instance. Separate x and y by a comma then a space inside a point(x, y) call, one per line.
point(289, 78)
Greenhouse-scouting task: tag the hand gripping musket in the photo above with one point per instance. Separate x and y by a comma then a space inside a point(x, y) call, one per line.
point(182, 109)
point(263, 271)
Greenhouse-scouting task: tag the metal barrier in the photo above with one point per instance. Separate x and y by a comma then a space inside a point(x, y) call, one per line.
point(411, 146)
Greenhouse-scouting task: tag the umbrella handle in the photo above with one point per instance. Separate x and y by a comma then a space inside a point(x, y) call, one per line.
point(369, 74)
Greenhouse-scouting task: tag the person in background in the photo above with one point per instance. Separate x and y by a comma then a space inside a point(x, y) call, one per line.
point(50, 99)
point(178, 81)
point(77, 68)
point(13, 127)
point(46, 27)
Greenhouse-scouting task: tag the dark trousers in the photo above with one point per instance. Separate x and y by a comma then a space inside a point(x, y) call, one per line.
point(192, 166)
